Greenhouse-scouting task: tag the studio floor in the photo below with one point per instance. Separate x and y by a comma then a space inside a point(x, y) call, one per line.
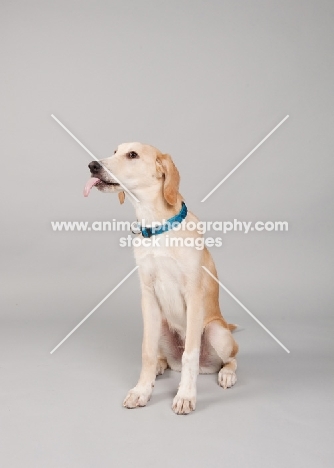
point(65, 410)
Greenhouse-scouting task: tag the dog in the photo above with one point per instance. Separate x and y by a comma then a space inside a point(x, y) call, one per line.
point(183, 326)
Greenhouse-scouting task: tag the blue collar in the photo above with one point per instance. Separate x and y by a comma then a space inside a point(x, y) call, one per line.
point(169, 224)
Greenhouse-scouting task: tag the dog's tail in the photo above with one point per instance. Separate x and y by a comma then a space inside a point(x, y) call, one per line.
point(232, 326)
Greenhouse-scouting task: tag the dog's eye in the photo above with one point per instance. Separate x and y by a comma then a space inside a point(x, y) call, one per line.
point(132, 155)
point(115, 151)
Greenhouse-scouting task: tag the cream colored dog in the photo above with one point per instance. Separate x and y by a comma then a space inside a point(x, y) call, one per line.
point(183, 325)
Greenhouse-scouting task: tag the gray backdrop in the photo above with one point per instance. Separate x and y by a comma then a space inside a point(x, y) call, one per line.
point(205, 82)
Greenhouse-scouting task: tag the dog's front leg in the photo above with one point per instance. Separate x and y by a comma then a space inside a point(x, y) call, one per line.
point(141, 393)
point(185, 399)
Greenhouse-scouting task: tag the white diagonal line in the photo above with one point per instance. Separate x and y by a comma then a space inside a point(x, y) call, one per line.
point(95, 308)
point(248, 311)
point(243, 160)
point(96, 159)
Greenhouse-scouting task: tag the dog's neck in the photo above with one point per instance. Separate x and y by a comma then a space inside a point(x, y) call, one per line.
point(152, 206)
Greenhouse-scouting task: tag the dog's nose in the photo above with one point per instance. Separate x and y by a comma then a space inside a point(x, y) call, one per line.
point(94, 167)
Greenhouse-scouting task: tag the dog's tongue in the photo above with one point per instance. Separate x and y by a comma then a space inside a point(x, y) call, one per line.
point(91, 182)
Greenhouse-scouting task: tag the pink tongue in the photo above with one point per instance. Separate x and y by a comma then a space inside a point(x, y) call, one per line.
point(91, 182)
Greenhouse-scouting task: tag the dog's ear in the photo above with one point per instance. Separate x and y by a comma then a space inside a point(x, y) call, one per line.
point(121, 197)
point(172, 178)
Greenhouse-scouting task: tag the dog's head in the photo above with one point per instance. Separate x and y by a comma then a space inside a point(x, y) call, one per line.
point(142, 169)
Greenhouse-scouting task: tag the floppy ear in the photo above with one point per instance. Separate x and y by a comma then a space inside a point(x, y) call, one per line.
point(172, 178)
point(121, 197)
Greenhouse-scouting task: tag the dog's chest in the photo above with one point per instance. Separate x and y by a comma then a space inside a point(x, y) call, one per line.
point(170, 295)
point(168, 283)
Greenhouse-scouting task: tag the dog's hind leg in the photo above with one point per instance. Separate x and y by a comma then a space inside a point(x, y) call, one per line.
point(226, 347)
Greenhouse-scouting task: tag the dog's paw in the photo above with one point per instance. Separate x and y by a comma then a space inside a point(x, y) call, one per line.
point(161, 366)
point(226, 377)
point(183, 405)
point(137, 397)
